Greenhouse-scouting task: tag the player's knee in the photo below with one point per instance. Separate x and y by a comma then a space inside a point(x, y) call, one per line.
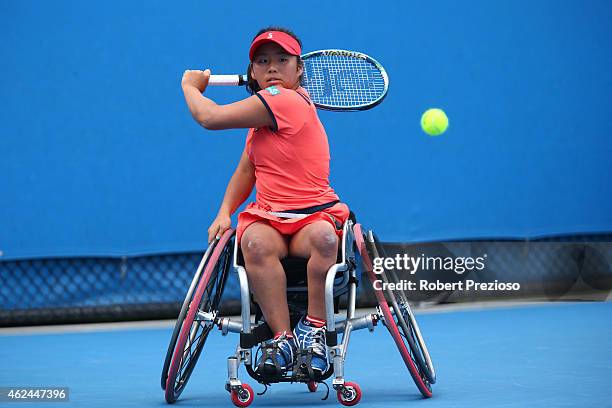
point(325, 242)
point(256, 249)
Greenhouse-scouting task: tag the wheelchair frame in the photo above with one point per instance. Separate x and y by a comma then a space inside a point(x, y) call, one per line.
point(341, 278)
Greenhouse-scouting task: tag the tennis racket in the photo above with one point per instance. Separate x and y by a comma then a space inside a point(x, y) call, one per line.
point(336, 80)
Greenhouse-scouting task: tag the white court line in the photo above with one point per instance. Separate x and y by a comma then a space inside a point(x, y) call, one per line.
point(165, 324)
point(86, 327)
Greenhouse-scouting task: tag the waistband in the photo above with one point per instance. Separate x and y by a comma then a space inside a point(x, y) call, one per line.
point(312, 210)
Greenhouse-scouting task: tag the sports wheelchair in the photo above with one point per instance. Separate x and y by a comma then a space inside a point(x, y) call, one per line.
point(200, 314)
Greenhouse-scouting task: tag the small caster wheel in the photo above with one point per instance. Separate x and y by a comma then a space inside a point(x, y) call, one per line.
point(312, 386)
point(349, 395)
point(243, 396)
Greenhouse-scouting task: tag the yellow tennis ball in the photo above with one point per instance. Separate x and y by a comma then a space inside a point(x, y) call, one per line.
point(434, 122)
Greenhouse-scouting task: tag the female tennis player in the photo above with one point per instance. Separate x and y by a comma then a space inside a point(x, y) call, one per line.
point(286, 158)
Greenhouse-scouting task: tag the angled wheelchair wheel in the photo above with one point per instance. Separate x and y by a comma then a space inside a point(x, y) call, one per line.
point(196, 319)
point(398, 318)
point(404, 318)
point(183, 313)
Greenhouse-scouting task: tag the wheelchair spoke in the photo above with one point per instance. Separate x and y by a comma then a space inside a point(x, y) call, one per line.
point(191, 350)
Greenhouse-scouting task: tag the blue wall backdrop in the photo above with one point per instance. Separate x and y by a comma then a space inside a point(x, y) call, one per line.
point(99, 155)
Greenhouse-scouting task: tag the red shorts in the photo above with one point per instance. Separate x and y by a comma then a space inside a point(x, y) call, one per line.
point(336, 216)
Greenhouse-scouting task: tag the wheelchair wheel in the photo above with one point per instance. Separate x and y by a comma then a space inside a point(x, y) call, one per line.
point(195, 321)
point(349, 395)
point(404, 318)
point(242, 397)
point(399, 320)
point(183, 313)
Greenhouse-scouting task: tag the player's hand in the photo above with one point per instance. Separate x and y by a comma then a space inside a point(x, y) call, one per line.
point(196, 78)
point(221, 224)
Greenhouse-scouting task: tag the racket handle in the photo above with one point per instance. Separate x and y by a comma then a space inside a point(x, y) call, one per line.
point(228, 80)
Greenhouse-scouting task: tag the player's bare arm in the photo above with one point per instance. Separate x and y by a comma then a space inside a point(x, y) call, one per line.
point(238, 190)
point(247, 113)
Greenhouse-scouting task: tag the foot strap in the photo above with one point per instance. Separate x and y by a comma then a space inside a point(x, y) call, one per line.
point(303, 367)
point(269, 352)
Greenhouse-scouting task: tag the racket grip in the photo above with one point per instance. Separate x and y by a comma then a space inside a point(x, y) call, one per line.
point(227, 80)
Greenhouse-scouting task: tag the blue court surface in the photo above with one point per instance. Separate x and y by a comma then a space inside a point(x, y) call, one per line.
point(533, 355)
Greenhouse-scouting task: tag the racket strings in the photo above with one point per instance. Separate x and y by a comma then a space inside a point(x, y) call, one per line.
point(343, 81)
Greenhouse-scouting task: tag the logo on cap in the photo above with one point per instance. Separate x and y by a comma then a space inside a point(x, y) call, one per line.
point(269, 35)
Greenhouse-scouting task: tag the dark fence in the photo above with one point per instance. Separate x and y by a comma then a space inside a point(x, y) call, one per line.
point(71, 290)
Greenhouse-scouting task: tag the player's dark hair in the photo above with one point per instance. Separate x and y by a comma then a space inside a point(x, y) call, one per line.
point(252, 85)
